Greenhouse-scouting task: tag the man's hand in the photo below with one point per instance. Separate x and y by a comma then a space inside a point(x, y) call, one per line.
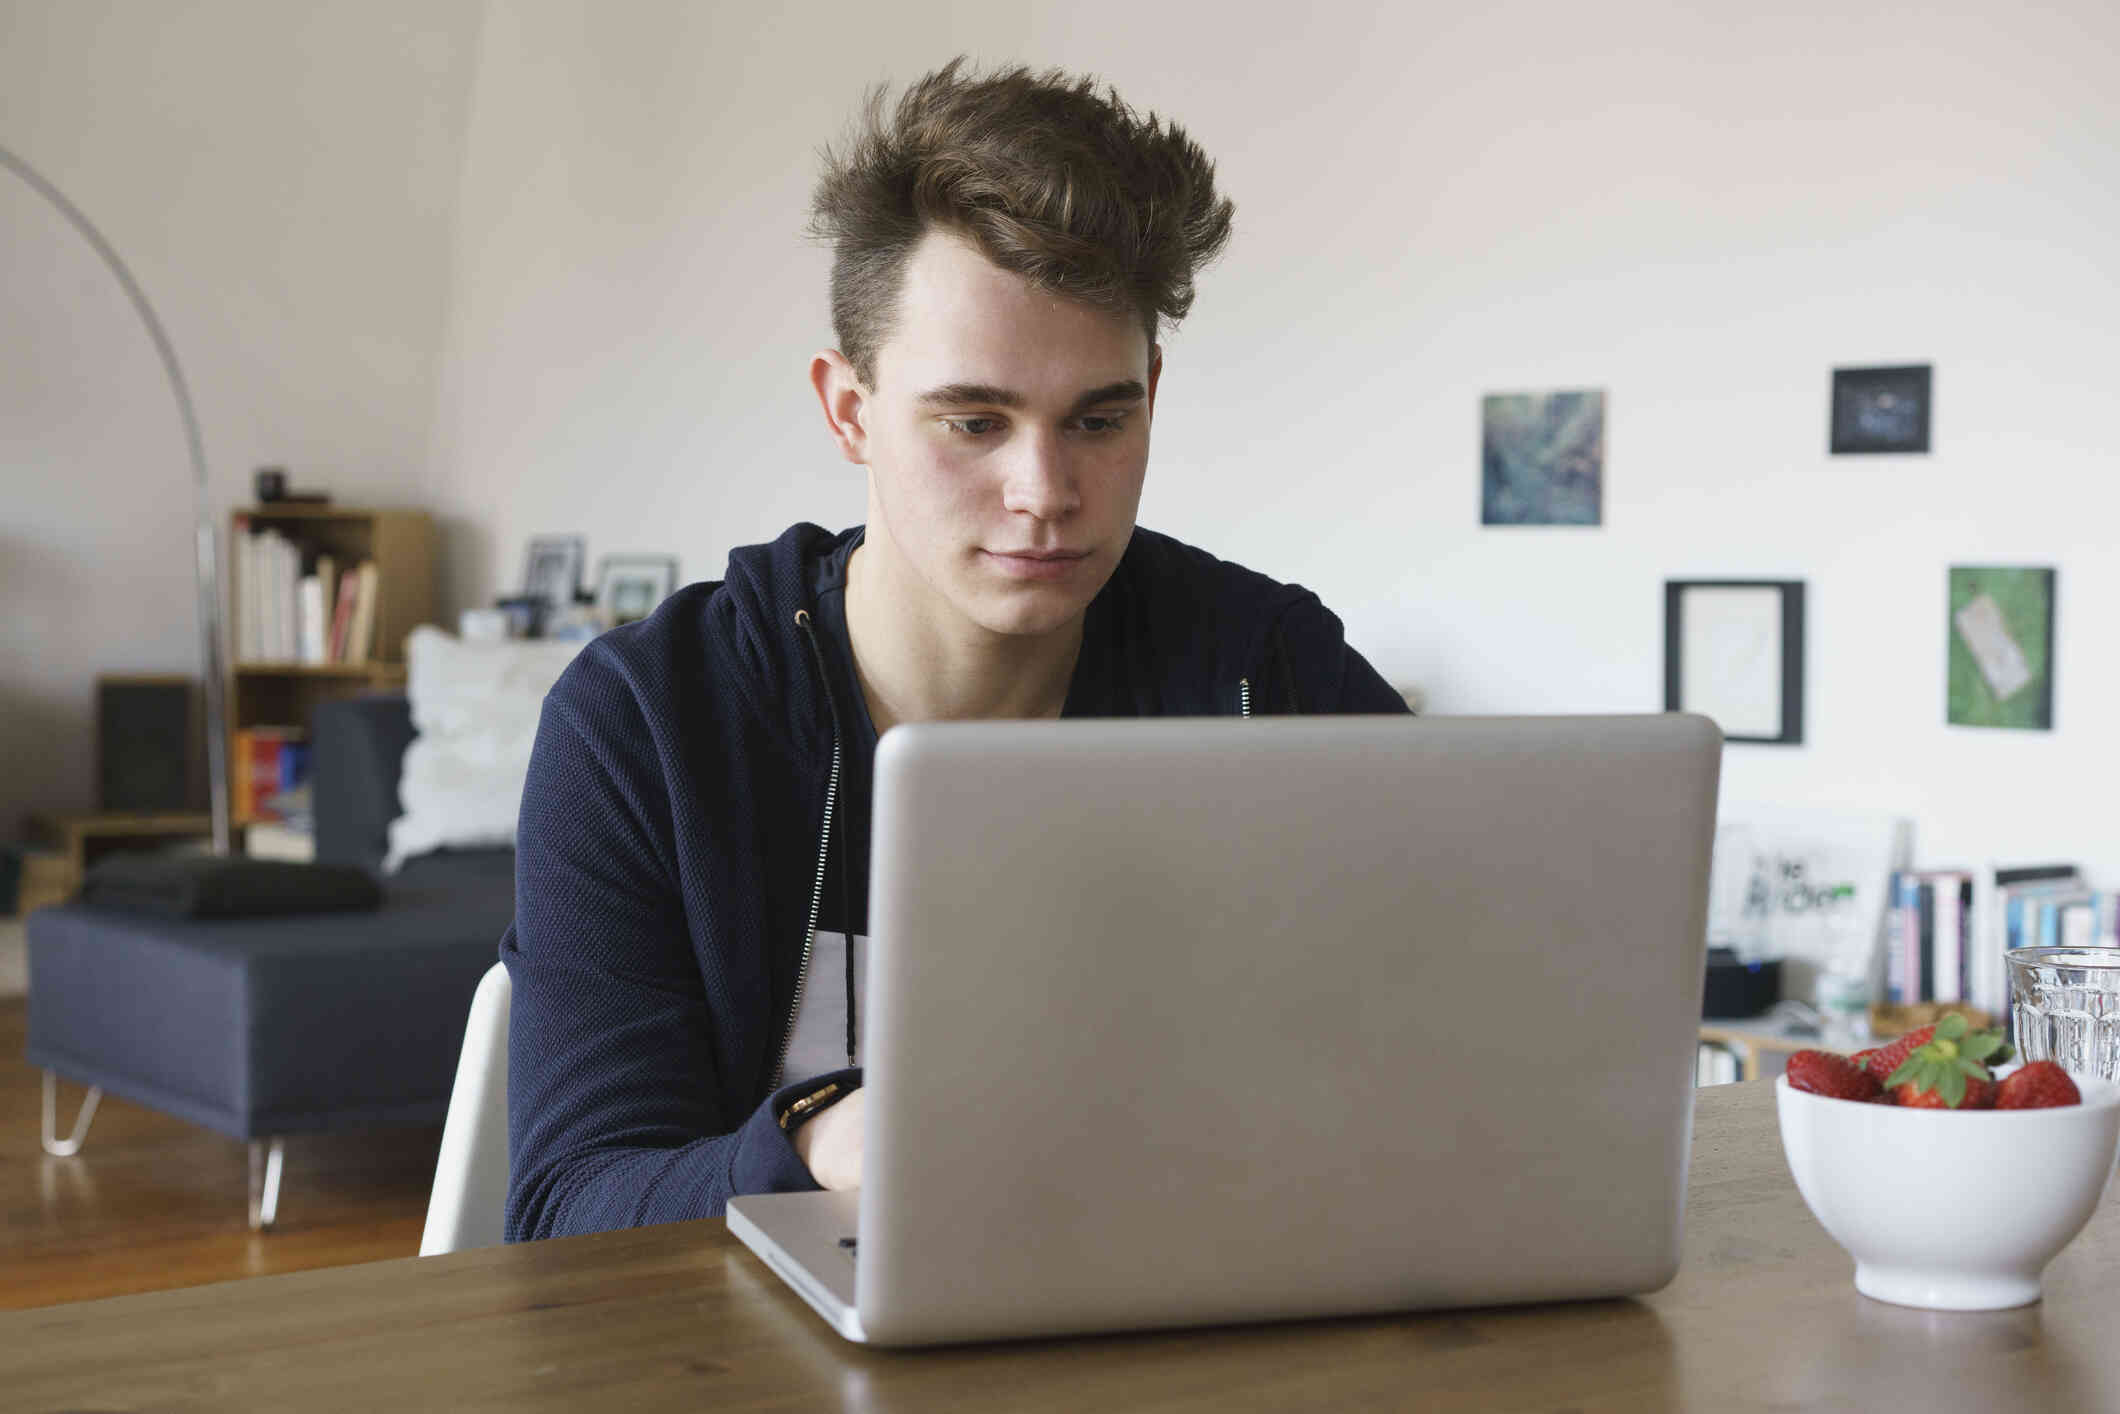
point(831, 1143)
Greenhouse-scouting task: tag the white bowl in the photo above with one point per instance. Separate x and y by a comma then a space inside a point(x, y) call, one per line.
point(1954, 1210)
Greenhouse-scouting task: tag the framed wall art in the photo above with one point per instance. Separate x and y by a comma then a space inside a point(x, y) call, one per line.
point(1881, 409)
point(1733, 652)
point(1542, 458)
point(2001, 631)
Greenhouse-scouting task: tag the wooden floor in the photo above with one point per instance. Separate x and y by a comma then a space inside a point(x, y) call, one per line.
point(153, 1202)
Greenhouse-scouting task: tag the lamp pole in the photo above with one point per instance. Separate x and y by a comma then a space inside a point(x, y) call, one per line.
point(206, 558)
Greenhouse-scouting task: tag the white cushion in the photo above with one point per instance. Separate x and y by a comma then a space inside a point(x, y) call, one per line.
point(475, 708)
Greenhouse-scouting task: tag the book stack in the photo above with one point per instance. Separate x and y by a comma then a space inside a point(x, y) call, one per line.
point(1930, 953)
point(296, 604)
point(1937, 950)
point(271, 764)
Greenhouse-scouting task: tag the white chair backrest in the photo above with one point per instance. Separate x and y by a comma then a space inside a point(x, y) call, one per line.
point(471, 1177)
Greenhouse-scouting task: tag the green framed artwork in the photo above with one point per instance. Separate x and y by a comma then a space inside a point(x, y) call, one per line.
point(2001, 632)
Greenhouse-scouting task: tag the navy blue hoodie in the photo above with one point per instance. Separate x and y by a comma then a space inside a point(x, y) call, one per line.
point(667, 854)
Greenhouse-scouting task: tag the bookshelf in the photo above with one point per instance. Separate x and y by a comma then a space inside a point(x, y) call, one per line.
point(271, 689)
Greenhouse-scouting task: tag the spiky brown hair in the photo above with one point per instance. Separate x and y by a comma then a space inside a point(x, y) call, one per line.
point(1051, 180)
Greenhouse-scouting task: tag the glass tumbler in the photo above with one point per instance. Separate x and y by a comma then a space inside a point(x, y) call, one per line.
point(2066, 1006)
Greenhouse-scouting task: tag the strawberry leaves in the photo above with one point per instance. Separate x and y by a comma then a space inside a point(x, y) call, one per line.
point(1950, 1059)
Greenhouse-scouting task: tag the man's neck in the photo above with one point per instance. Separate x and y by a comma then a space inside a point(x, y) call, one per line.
point(912, 669)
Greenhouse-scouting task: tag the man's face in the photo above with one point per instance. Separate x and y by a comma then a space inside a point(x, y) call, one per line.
point(1006, 441)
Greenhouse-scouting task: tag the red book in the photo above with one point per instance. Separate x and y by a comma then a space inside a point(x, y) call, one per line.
point(342, 616)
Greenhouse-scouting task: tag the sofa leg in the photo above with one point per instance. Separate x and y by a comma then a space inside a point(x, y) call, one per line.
point(66, 1148)
point(265, 1183)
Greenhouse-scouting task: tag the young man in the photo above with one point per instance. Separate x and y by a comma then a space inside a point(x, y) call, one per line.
point(693, 847)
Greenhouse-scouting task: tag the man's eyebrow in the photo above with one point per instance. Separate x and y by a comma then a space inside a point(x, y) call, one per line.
point(1126, 390)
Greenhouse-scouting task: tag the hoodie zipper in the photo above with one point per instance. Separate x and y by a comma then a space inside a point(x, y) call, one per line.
point(809, 940)
point(824, 850)
point(1244, 697)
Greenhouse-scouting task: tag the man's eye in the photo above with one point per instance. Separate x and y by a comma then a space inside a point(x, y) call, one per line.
point(972, 426)
point(1104, 424)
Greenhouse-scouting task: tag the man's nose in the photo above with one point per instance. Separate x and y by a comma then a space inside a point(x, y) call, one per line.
point(1041, 478)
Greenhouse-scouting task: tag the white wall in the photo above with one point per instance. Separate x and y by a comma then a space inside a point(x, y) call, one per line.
point(1700, 212)
point(281, 179)
point(1701, 209)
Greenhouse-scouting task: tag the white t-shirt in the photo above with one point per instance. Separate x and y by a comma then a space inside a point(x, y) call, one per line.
point(820, 1044)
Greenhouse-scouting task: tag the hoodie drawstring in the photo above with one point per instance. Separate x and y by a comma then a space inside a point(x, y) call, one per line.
point(846, 893)
point(1288, 677)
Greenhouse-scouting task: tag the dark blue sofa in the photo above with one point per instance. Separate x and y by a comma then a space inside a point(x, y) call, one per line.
point(264, 1027)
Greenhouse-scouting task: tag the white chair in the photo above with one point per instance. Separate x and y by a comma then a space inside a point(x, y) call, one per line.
point(471, 1177)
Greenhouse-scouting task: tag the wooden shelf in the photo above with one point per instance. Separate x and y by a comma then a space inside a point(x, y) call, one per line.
point(402, 544)
point(394, 671)
point(305, 510)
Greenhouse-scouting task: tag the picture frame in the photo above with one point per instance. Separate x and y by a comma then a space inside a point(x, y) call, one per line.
point(1542, 458)
point(552, 569)
point(1734, 652)
point(1881, 410)
point(2000, 647)
point(629, 587)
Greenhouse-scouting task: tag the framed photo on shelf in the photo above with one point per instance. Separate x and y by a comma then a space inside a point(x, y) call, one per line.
point(1733, 652)
point(1881, 409)
point(628, 587)
point(553, 569)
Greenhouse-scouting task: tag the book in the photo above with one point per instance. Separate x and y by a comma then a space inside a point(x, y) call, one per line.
point(361, 637)
point(265, 760)
point(265, 594)
point(342, 613)
point(1951, 935)
point(243, 552)
point(311, 601)
point(1902, 969)
point(2020, 896)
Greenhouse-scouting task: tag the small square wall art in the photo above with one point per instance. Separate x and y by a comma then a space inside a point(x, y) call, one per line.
point(1881, 409)
point(2001, 671)
point(1542, 458)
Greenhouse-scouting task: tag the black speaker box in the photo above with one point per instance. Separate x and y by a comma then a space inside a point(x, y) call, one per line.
point(1735, 990)
point(150, 745)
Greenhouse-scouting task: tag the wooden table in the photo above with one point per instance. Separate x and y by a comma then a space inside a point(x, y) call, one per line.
point(1764, 1315)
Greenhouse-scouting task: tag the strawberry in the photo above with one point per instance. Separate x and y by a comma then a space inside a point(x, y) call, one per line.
point(1885, 1059)
point(1950, 1070)
point(1978, 1095)
point(1836, 1077)
point(2040, 1085)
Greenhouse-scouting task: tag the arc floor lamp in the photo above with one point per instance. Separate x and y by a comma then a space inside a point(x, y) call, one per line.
point(206, 558)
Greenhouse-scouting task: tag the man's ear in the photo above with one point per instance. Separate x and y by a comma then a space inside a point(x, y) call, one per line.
point(845, 403)
point(1155, 372)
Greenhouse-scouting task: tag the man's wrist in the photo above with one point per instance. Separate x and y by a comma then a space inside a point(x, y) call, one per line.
point(814, 1103)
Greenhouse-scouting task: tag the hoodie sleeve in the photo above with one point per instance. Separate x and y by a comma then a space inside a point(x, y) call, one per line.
point(1324, 674)
point(614, 1115)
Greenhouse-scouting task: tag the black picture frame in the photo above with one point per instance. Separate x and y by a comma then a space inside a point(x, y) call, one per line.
point(1881, 410)
point(1789, 675)
point(552, 569)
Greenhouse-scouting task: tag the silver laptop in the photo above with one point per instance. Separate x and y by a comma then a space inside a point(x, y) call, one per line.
point(1185, 1022)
